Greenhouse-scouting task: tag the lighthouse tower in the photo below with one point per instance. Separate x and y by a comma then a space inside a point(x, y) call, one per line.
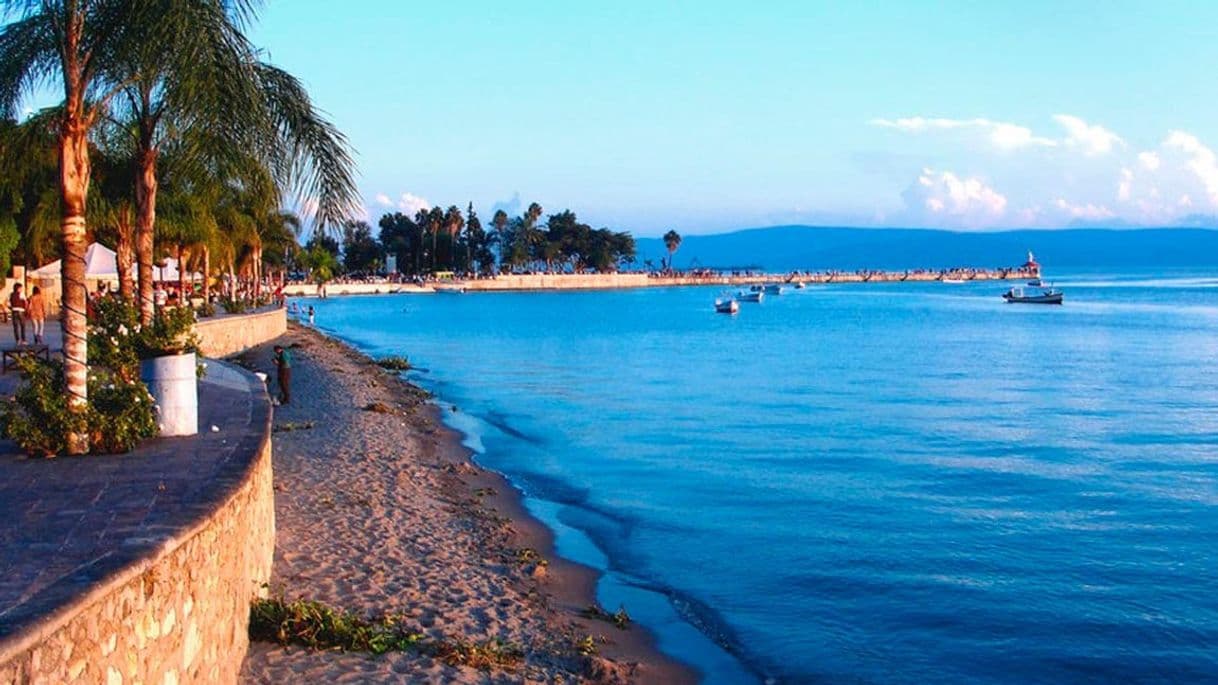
point(1032, 266)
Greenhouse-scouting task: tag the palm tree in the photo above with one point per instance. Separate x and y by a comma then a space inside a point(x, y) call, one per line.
point(672, 241)
point(80, 46)
point(211, 98)
point(184, 61)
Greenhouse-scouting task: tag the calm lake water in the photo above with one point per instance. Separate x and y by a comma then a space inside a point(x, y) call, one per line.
point(859, 483)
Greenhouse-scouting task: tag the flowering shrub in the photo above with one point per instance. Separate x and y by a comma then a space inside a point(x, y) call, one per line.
point(171, 332)
point(121, 414)
point(120, 411)
point(38, 418)
point(113, 325)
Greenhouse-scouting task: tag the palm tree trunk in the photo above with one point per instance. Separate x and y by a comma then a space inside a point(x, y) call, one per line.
point(206, 274)
point(257, 272)
point(124, 257)
point(182, 298)
point(74, 187)
point(145, 200)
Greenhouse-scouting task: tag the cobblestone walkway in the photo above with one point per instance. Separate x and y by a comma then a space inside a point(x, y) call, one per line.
point(68, 522)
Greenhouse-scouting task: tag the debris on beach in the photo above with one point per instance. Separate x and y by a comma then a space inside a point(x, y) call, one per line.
point(378, 407)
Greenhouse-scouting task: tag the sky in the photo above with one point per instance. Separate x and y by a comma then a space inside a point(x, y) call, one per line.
point(710, 116)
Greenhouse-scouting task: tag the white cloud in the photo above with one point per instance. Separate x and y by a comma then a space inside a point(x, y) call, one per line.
point(1086, 211)
point(383, 200)
point(1125, 186)
point(1201, 160)
point(1092, 139)
point(1003, 135)
point(945, 195)
point(410, 203)
point(1150, 160)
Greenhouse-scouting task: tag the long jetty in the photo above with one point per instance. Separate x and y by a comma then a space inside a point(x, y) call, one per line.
point(542, 281)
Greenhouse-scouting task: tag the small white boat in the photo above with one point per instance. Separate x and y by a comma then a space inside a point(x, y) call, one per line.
point(727, 305)
point(1046, 296)
point(449, 289)
point(774, 288)
point(750, 295)
point(954, 281)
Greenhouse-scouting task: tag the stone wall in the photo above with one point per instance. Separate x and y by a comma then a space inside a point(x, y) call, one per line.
point(221, 336)
point(179, 616)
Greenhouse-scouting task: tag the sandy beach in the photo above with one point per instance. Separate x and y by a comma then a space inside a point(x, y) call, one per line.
point(380, 511)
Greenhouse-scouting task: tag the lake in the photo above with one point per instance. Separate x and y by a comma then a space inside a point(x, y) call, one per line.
point(889, 483)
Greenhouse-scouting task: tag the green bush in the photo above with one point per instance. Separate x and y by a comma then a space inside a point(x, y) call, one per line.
point(171, 332)
point(121, 415)
point(113, 327)
point(234, 306)
point(394, 363)
point(38, 418)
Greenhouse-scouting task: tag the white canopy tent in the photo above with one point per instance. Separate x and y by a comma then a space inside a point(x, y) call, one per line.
point(169, 272)
point(100, 263)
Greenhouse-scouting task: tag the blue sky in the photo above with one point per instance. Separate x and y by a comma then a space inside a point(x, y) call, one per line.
point(708, 116)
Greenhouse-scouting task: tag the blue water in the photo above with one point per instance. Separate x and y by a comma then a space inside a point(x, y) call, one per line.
point(900, 483)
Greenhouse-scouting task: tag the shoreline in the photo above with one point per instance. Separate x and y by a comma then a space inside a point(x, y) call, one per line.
point(479, 502)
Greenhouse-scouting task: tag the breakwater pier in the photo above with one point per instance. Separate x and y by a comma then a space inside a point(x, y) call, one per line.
point(598, 281)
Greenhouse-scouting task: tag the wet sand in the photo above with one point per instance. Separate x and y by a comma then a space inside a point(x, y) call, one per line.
point(382, 512)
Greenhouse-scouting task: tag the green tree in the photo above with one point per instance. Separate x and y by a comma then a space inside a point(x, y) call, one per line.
point(672, 241)
point(401, 237)
point(500, 235)
point(478, 243)
point(361, 252)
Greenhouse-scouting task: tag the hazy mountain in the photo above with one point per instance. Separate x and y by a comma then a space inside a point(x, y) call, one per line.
point(785, 248)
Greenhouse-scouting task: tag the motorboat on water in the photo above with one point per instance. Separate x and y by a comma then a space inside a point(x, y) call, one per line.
point(774, 288)
point(750, 295)
point(954, 281)
point(449, 289)
point(727, 305)
point(799, 285)
point(1045, 296)
point(1036, 283)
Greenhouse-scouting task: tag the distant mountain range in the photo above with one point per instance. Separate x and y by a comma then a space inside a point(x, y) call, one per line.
point(786, 248)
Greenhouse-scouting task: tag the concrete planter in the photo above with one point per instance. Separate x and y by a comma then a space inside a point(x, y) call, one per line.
point(174, 385)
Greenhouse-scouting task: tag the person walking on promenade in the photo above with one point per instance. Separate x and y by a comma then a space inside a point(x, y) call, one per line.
point(17, 306)
point(36, 307)
point(283, 360)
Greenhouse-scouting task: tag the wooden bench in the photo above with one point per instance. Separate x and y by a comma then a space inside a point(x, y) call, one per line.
point(11, 354)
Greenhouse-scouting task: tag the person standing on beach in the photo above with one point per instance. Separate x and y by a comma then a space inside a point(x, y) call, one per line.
point(36, 307)
point(283, 360)
point(17, 306)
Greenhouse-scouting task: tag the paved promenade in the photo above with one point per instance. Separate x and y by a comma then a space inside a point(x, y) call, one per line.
point(68, 522)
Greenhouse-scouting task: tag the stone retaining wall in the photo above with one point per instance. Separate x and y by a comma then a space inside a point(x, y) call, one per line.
point(181, 617)
point(224, 335)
